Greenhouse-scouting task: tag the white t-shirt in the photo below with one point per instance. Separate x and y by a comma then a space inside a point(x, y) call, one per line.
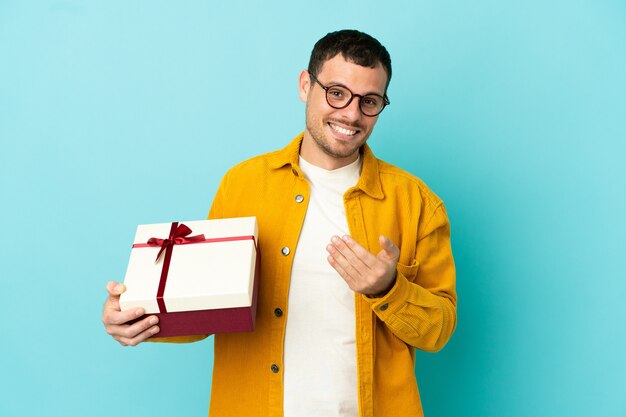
point(320, 375)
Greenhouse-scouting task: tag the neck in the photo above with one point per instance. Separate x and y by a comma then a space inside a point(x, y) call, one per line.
point(311, 152)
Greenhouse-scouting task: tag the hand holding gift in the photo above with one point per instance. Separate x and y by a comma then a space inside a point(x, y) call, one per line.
point(192, 278)
point(116, 321)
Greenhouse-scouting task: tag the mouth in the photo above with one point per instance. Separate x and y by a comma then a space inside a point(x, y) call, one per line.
point(343, 131)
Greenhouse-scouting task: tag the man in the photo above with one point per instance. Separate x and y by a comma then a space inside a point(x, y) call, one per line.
point(357, 268)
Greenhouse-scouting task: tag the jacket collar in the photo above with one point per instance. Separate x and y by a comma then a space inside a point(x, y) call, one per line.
point(369, 181)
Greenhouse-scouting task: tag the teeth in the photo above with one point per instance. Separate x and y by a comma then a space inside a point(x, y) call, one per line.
point(342, 130)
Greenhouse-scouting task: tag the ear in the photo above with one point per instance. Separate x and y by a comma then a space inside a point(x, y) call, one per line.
point(304, 84)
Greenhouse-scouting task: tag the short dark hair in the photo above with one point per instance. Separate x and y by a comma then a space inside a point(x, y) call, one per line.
point(356, 47)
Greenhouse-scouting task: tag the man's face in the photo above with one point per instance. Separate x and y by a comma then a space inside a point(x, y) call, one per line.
point(333, 136)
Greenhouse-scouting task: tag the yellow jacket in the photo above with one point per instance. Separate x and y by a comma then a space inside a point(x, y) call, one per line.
point(418, 312)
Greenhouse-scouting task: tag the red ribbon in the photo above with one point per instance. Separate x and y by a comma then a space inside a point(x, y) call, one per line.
point(178, 236)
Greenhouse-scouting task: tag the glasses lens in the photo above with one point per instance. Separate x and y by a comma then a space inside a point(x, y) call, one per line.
point(372, 104)
point(337, 96)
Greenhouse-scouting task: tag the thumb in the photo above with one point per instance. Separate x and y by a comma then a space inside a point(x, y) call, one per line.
point(115, 289)
point(390, 250)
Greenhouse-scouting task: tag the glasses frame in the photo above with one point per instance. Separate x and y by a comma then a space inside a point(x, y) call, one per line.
point(386, 101)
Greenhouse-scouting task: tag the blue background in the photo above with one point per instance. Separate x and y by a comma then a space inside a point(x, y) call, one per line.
point(124, 112)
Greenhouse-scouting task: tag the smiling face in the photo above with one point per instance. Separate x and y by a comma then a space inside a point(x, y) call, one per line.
point(333, 137)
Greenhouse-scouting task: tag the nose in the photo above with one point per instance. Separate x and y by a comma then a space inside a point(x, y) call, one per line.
point(352, 111)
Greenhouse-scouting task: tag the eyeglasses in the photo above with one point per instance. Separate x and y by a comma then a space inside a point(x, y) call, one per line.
point(340, 97)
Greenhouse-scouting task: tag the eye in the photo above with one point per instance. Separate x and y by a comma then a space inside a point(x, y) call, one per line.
point(371, 101)
point(336, 93)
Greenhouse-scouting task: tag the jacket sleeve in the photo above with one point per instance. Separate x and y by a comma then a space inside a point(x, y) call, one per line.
point(420, 309)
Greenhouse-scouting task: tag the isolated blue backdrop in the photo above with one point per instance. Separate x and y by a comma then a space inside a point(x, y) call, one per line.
point(117, 113)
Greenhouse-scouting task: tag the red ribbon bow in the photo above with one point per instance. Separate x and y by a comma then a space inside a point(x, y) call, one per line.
point(178, 236)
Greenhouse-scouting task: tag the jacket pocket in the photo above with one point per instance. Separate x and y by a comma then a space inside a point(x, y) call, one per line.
point(409, 271)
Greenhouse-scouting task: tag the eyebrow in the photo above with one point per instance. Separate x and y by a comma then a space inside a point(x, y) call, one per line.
point(336, 84)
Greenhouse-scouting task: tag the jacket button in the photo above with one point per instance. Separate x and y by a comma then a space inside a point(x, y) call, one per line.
point(285, 250)
point(278, 312)
point(384, 307)
point(274, 368)
point(299, 198)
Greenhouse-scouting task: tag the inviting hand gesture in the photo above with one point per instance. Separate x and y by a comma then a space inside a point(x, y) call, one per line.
point(364, 272)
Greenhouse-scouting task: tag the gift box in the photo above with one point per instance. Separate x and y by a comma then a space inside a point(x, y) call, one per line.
point(198, 277)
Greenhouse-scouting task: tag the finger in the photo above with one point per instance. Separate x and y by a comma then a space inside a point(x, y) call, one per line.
point(342, 272)
point(356, 255)
point(131, 331)
point(112, 303)
point(390, 250)
point(355, 247)
point(338, 261)
point(347, 259)
point(141, 337)
point(113, 315)
point(115, 289)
